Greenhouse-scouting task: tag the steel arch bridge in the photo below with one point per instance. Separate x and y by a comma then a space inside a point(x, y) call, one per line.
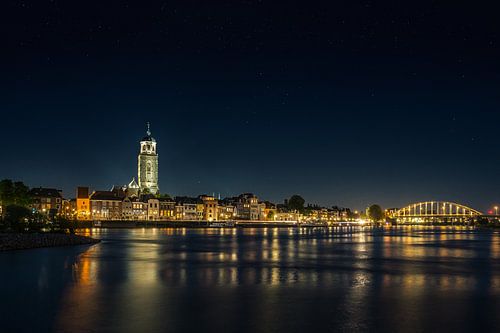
point(436, 211)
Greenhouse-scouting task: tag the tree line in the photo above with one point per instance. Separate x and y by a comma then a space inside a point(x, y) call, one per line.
point(18, 215)
point(296, 203)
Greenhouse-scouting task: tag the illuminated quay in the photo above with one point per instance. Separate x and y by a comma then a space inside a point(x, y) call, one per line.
point(141, 203)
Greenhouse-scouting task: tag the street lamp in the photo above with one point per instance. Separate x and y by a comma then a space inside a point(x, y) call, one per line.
point(496, 210)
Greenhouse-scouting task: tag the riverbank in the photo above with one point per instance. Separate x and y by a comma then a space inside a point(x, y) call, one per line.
point(251, 224)
point(15, 241)
point(189, 224)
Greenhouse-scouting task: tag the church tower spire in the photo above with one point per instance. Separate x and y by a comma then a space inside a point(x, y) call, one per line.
point(147, 170)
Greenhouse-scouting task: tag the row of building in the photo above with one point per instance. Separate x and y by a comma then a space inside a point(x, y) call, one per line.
point(141, 201)
point(126, 204)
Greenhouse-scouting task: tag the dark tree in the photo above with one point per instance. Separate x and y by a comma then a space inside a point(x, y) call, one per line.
point(6, 191)
point(14, 193)
point(375, 213)
point(17, 217)
point(296, 202)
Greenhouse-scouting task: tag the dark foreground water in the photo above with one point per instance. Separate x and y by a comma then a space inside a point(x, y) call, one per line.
point(257, 280)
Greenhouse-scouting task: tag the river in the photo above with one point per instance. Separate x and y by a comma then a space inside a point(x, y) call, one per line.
point(257, 280)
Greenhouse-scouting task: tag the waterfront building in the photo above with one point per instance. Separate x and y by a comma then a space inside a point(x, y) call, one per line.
point(270, 211)
point(167, 209)
point(249, 208)
point(226, 212)
point(188, 209)
point(347, 215)
point(147, 169)
point(153, 209)
point(179, 212)
point(83, 203)
point(323, 215)
point(160, 209)
point(46, 201)
point(210, 207)
point(287, 217)
point(106, 205)
point(139, 209)
point(127, 209)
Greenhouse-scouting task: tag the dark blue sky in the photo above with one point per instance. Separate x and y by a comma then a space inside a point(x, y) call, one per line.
point(347, 104)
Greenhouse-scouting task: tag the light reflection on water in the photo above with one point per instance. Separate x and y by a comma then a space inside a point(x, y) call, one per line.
point(262, 280)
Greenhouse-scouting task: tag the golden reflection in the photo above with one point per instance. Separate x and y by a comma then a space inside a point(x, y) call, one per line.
point(228, 256)
point(275, 252)
point(134, 270)
point(495, 246)
point(85, 269)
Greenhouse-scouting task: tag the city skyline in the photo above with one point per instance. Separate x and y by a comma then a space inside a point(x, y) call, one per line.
point(375, 103)
point(148, 154)
point(250, 165)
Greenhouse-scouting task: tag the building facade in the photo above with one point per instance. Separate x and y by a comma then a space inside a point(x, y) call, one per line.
point(147, 169)
point(189, 209)
point(270, 211)
point(46, 201)
point(106, 205)
point(287, 217)
point(139, 209)
point(167, 209)
point(248, 207)
point(153, 209)
point(83, 204)
point(226, 212)
point(210, 208)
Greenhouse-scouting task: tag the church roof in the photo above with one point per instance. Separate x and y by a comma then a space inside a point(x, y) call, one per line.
point(118, 188)
point(148, 136)
point(133, 184)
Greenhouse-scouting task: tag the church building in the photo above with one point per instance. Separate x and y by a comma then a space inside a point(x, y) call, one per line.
point(147, 170)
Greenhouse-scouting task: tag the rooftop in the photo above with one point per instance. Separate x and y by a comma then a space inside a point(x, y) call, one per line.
point(46, 192)
point(107, 195)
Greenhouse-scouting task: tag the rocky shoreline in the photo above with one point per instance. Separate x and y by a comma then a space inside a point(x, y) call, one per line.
point(14, 241)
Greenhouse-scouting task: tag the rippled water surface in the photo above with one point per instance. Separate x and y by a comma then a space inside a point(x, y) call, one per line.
point(257, 280)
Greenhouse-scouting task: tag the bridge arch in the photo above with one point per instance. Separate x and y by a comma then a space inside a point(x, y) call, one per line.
point(435, 211)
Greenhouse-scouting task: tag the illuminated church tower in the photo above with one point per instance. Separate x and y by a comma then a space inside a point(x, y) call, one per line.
point(148, 165)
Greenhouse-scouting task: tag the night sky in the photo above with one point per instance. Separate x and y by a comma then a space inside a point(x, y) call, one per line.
point(348, 104)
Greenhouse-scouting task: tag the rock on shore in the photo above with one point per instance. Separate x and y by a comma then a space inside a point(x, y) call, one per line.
point(30, 241)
